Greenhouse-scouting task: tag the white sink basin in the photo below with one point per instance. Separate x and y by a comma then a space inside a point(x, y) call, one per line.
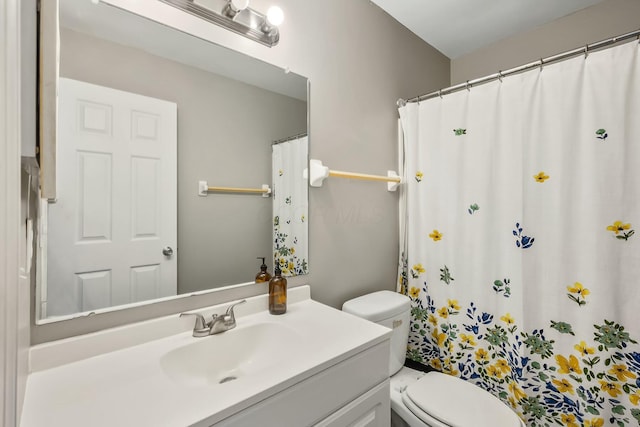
point(240, 352)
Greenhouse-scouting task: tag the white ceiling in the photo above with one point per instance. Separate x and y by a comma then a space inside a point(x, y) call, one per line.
point(457, 27)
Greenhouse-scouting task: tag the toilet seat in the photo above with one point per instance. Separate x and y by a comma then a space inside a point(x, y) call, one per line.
point(444, 400)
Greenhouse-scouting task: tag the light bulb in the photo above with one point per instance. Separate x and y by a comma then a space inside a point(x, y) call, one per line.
point(275, 16)
point(239, 5)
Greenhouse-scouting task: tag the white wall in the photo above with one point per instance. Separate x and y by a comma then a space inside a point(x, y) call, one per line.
point(607, 19)
point(359, 62)
point(14, 278)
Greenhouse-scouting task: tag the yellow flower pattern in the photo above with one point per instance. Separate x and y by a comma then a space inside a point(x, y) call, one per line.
point(516, 391)
point(417, 270)
point(612, 388)
point(467, 339)
point(507, 319)
point(503, 366)
point(482, 355)
point(569, 420)
point(494, 371)
point(414, 292)
point(621, 372)
point(583, 349)
point(436, 235)
point(433, 320)
point(439, 337)
point(578, 289)
point(620, 227)
point(563, 386)
point(541, 177)
point(568, 366)
point(578, 293)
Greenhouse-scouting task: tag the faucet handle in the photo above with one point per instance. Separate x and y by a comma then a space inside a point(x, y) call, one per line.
point(230, 310)
point(200, 328)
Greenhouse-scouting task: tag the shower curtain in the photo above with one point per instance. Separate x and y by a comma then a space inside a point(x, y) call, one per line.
point(290, 206)
point(520, 254)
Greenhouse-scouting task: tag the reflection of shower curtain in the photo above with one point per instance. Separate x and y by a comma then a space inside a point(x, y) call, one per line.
point(521, 259)
point(290, 202)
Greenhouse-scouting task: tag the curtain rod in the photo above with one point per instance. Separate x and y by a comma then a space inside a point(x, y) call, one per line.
point(537, 64)
point(289, 138)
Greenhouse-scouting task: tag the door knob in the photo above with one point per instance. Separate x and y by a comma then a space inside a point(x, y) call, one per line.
point(167, 251)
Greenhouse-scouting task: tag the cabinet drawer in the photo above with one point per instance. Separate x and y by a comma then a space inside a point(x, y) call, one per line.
point(372, 409)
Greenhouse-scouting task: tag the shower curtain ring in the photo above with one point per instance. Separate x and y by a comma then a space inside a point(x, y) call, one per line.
point(500, 76)
point(467, 86)
point(541, 63)
point(440, 93)
point(586, 51)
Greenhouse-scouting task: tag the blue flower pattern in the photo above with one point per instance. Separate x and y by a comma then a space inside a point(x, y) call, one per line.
point(522, 241)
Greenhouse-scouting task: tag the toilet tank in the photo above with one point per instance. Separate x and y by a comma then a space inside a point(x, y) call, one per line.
point(389, 309)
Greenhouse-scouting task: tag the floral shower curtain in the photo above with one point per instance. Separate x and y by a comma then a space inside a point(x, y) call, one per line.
point(290, 206)
point(521, 258)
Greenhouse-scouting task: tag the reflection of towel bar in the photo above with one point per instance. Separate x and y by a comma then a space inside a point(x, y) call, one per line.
point(204, 189)
point(319, 173)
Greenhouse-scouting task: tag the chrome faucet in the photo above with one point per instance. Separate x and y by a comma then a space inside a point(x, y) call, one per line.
point(217, 324)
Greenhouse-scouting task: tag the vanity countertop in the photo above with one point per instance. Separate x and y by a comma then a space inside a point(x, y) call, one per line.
point(107, 379)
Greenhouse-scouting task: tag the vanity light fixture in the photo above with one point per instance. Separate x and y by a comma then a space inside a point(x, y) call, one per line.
point(237, 16)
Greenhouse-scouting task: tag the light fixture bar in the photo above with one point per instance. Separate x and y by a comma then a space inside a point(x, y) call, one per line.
point(247, 22)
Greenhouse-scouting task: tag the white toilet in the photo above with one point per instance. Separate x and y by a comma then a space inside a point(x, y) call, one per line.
point(432, 399)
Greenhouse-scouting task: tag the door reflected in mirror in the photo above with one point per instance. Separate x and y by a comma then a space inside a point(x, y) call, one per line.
point(145, 112)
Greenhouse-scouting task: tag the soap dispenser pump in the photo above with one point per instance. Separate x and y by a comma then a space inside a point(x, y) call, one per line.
point(263, 276)
point(277, 293)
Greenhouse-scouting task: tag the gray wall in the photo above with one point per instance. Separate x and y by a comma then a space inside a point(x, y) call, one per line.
point(359, 62)
point(225, 129)
point(604, 20)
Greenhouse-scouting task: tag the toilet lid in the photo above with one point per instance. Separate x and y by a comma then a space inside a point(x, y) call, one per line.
point(458, 403)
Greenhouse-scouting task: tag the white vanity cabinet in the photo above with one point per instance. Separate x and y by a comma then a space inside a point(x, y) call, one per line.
point(354, 392)
point(313, 366)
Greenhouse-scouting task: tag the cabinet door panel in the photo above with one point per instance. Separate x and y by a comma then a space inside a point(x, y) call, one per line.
point(318, 397)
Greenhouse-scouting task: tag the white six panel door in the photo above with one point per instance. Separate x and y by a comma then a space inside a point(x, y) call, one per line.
point(117, 200)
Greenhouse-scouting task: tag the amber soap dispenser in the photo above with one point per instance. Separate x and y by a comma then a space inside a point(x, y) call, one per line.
point(263, 276)
point(277, 293)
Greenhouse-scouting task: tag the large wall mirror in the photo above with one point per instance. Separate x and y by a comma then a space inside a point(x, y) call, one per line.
point(146, 112)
